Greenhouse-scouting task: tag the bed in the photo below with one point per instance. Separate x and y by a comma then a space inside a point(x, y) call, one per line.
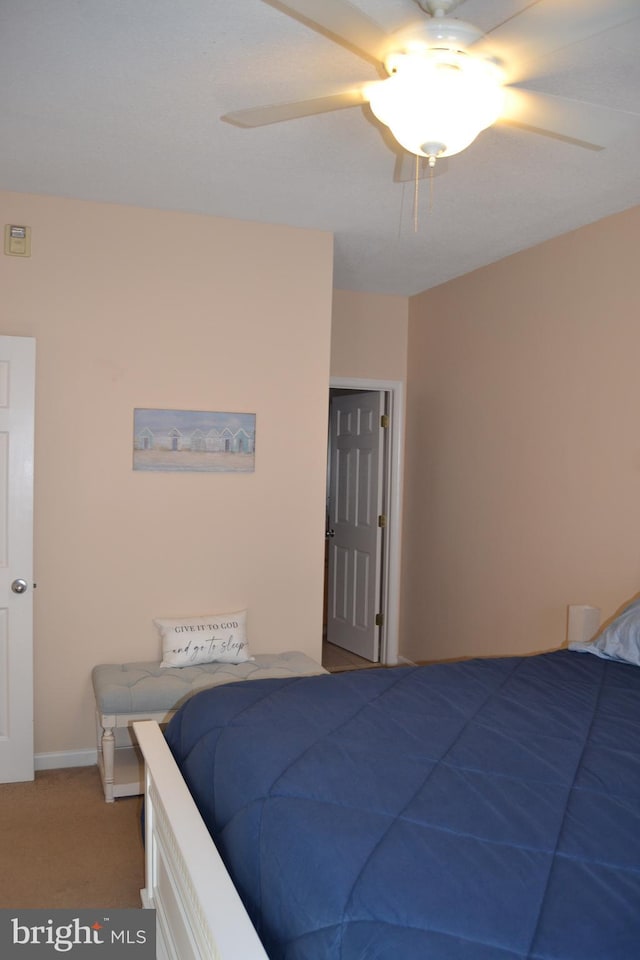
point(480, 810)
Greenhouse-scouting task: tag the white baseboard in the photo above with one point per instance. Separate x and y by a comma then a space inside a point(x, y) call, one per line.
point(406, 661)
point(65, 758)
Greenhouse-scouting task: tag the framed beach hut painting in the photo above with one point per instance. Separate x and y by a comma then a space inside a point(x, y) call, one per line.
point(194, 440)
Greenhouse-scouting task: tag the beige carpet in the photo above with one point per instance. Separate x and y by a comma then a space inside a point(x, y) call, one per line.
point(61, 845)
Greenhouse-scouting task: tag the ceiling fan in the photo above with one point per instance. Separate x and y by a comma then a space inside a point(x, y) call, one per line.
point(447, 81)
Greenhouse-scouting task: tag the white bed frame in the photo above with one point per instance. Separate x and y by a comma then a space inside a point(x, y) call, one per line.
point(199, 913)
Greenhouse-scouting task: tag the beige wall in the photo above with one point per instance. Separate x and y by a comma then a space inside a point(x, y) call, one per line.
point(523, 458)
point(135, 308)
point(369, 336)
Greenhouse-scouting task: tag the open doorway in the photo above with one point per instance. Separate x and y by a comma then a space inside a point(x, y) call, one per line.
point(362, 537)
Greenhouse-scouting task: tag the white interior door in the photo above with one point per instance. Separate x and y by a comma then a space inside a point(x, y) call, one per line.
point(17, 389)
point(353, 512)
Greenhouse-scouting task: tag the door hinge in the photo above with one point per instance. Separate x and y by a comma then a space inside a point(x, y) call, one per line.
point(382, 520)
point(384, 421)
point(379, 619)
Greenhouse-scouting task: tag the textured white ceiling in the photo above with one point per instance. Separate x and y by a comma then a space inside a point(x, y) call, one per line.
point(120, 101)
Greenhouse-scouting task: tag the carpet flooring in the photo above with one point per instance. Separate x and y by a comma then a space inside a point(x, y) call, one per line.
point(61, 845)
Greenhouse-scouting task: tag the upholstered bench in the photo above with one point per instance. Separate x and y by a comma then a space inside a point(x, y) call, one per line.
point(126, 692)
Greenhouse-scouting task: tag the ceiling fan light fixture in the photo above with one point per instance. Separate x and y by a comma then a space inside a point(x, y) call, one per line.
point(440, 98)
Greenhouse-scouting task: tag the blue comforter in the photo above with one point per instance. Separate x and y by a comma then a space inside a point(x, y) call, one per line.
point(482, 810)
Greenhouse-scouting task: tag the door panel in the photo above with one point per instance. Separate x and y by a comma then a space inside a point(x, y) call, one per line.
point(17, 384)
point(354, 506)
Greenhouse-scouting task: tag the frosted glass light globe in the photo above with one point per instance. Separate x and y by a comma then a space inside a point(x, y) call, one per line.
point(437, 102)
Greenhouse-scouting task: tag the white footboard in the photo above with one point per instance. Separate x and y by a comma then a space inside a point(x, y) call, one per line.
point(199, 913)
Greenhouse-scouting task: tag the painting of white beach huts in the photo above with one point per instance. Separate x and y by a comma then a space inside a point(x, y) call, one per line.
point(194, 440)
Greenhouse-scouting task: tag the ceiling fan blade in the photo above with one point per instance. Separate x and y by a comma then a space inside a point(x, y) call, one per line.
point(549, 25)
point(586, 124)
point(341, 21)
point(276, 112)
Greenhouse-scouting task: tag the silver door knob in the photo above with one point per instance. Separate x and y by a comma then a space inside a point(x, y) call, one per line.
point(329, 533)
point(19, 586)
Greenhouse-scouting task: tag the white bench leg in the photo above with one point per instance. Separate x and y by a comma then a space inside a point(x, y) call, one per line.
point(108, 761)
point(119, 761)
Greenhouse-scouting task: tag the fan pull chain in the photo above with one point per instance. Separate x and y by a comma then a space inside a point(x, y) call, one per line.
point(431, 179)
point(401, 217)
point(416, 190)
point(416, 194)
